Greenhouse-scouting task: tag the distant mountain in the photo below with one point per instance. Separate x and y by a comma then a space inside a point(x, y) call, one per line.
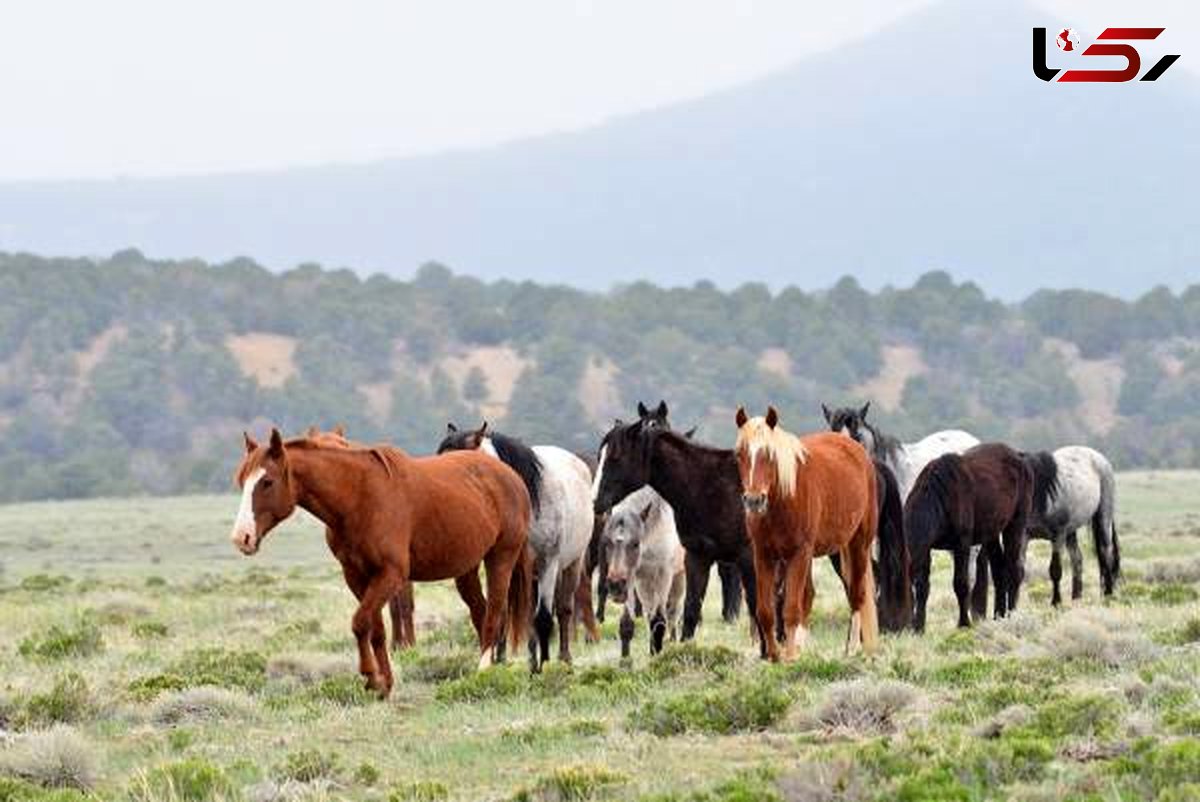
point(927, 145)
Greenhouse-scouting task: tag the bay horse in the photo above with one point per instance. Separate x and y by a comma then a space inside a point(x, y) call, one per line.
point(391, 519)
point(980, 498)
point(558, 483)
point(645, 565)
point(807, 497)
point(1074, 486)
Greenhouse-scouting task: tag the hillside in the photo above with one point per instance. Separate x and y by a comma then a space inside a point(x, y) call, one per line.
point(135, 376)
point(928, 145)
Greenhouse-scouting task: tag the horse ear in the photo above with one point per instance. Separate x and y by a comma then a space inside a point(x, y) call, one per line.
point(645, 514)
point(740, 419)
point(662, 409)
point(618, 423)
point(483, 429)
point(772, 417)
point(251, 445)
point(862, 413)
point(642, 411)
point(311, 432)
point(450, 428)
point(828, 414)
point(690, 433)
point(340, 430)
point(276, 447)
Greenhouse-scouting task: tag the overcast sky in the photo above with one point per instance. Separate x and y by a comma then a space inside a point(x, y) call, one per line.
point(145, 87)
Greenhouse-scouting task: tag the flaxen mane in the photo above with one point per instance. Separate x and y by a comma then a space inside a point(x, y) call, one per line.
point(780, 445)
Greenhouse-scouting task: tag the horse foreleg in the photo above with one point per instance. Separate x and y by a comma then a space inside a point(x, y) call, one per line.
point(731, 591)
point(367, 625)
point(860, 592)
point(626, 626)
point(1014, 543)
point(583, 607)
point(920, 578)
point(1076, 565)
point(400, 606)
point(797, 600)
point(764, 573)
point(697, 584)
point(962, 584)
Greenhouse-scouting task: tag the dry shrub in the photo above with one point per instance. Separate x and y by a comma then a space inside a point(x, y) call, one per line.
point(865, 706)
point(205, 703)
point(1098, 638)
point(1160, 571)
point(307, 668)
point(1010, 717)
point(58, 757)
point(837, 781)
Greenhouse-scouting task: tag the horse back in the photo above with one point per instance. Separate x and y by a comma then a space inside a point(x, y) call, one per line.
point(1001, 486)
point(836, 489)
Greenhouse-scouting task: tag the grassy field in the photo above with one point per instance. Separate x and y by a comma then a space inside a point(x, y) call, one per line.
point(142, 658)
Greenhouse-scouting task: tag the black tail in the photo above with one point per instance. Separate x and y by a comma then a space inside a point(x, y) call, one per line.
point(894, 569)
point(1045, 481)
point(1104, 532)
point(731, 591)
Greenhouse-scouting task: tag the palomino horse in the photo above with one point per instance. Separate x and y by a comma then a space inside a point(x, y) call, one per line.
point(807, 497)
point(645, 565)
point(558, 483)
point(390, 519)
point(980, 498)
point(1074, 486)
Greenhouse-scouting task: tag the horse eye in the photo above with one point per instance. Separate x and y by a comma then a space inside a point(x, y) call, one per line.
point(265, 483)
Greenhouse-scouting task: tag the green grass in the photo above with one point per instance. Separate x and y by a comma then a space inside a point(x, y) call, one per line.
point(117, 613)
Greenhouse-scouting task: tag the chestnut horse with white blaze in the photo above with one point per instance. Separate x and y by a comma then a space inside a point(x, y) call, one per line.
point(391, 519)
point(807, 497)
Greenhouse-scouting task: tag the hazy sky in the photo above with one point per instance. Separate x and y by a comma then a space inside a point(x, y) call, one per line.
point(139, 87)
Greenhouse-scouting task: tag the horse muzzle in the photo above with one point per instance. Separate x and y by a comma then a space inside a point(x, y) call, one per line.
point(754, 503)
point(617, 588)
point(246, 542)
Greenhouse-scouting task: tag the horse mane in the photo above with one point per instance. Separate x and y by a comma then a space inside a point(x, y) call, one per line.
point(935, 495)
point(521, 458)
point(781, 445)
point(388, 457)
point(886, 446)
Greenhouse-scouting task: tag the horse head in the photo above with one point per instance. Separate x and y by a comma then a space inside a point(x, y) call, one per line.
point(767, 456)
point(623, 540)
point(462, 439)
point(622, 463)
point(267, 493)
point(850, 422)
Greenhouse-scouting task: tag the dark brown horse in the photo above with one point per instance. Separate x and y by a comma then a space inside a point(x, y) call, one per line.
point(982, 498)
point(390, 519)
point(807, 497)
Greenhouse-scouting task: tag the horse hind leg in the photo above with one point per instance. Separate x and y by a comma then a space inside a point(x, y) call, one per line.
point(1056, 544)
point(1076, 565)
point(860, 593)
point(400, 608)
point(564, 602)
point(543, 619)
point(979, 587)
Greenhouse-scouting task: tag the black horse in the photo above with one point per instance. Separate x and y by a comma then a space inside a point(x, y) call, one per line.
point(980, 498)
point(704, 489)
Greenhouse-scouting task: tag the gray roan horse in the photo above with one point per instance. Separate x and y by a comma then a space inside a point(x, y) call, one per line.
point(1074, 487)
point(645, 565)
point(559, 485)
point(906, 460)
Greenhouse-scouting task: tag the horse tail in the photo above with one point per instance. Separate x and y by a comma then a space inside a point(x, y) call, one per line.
point(895, 580)
point(1104, 530)
point(1045, 481)
point(520, 600)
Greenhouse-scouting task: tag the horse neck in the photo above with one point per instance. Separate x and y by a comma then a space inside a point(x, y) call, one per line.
point(329, 482)
point(684, 474)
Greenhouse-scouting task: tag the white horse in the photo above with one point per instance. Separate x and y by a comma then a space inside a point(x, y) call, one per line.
point(645, 564)
point(906, 460)
point(560, 489)
point(1073, 487)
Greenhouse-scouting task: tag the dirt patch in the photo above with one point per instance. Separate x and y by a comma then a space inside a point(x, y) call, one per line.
point(501, 366)
point(87, 359)
point(900, 363)
point(598, 390)
point(266, 358)
point(777, 361)
point(1098, 381)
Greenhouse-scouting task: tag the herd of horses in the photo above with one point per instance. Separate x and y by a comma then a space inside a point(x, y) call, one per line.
point(654, 510)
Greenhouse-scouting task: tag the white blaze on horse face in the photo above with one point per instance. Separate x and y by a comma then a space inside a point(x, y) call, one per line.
point(599, 472)
point(245, 532)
